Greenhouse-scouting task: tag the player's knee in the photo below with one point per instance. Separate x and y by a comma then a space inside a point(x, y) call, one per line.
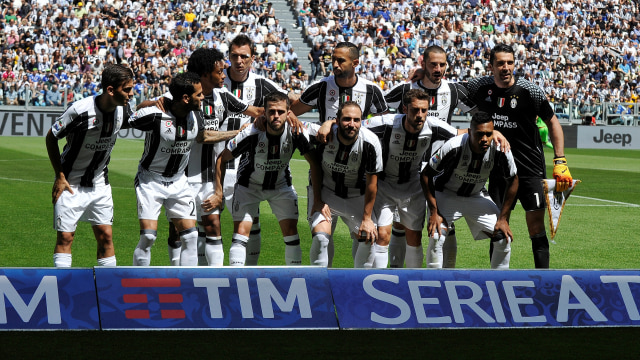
point(147, 238)
point(64, 238)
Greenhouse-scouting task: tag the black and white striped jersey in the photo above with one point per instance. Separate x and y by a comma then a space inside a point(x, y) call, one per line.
point(514, 111)
point(264, 158)
point(90, 136)
point(465, 173)
point(443, 101)
point(327, 96)
point(345, 167)
point(402, 152)
point(168, 141)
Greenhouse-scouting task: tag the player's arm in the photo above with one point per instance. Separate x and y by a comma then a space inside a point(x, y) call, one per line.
point(560, 170)
point(299, 108)
point(254, 111)
point(161, 103)
point(216, 200)
point(214, 136)
point(367, 227)
point(60, 184)
point(509, 198)
point(435, 221)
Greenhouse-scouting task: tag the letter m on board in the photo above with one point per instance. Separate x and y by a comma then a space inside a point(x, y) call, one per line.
point(48, 288)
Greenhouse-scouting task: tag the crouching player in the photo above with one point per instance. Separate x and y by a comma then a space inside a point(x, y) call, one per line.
point(454, 184)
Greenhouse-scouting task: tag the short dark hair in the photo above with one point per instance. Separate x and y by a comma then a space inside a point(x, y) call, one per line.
point(500, 48)
point(432, 49)
point(183, 84)
point(276, 96)
point(354, 53)
point(344, 105)
point(115, 75)
point(203, 61)
point(480, 117)
point(242, 40)
point(414, 94)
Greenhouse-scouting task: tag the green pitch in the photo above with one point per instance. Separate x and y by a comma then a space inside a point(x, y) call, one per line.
point(598, 230)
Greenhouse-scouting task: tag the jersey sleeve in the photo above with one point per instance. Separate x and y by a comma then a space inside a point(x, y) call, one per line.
point(302, 142)
point(67, 123)
point(505, 165)
point(440, 158)
point(372, 153)
point(540, 101)
point(242, 142)
point(378, 103)
point(145, 119)
point(312, 92)
point(232, 103)
point(464, 101)
point(440, 129)
point(378, 124)
point(394, 96)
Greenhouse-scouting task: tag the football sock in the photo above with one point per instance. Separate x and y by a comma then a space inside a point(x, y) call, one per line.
point(501, 253)
point(213, 250)
point(381, 254)
point(397, 248)
point(450, 250)
point(292, 251)
point(253, 246)
point(108, 261)
point(202, 243)
point(364, 256)
point(238, 250)
point(540, 248)
point(174, 248)
point(61, 260)
point(414, 256)
point(189, 250)
point(434, 252)
point(318, 253)
point(142, 252)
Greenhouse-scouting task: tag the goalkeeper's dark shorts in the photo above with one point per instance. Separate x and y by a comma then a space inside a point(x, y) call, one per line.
point(530, 193)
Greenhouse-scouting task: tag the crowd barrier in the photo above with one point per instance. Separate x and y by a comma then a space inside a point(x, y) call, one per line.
point(125, 298)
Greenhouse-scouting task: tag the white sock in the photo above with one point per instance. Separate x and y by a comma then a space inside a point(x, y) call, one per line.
point(330, 252)
point(354, 247)
point(253, 245)
point(292, 251)
point(202, 244)
point(450, 250)
point(174, 250)
point(108, 261)
point(414, 256)
point(238, 250)
point(318, 253)
point(381, 255)
point(397, 248)
point(501, 254)
point(214, 251)
point(61, 260)
point(364, 256)
point(189, 250)
point(142, 252)
point(434, 252)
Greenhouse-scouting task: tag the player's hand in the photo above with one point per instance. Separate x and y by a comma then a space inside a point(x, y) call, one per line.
point(322, 208)
point(505, 147)
point(436, 224)
point(163, 103)
point(260, 123)
point(561, 174)
point(59, 186)
point(503, 226)
point(416, 74)
point(324, 133)
point(294, 122)
point(244, 126)
point(368, 231)
point(213, 202)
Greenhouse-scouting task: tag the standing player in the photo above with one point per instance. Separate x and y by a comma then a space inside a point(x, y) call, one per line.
point(445, 97)
point(514, 105)
point(454, 183)
point(406, 139)
point(264, 174)
point(252, 89)
point(81, 191)
point(347, 189)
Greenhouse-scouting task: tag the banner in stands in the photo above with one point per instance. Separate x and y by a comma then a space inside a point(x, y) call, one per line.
point(48, 299)
point(206, 297)
point(608, 137)
point(403, 298)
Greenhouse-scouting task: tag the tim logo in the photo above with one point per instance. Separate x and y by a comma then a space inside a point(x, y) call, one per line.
point(163, 299)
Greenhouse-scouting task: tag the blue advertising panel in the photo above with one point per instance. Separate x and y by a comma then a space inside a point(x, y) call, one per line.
point(46, 299)
point(208, 298)
point(404, 298)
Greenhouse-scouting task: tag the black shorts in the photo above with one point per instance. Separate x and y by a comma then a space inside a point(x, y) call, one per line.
point(530, 193)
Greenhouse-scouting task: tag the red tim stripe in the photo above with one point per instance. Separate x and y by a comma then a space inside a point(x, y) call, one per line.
point(173, 314)
point(137, 314)
point(166, 282)
point(170, 298)
point(134, 298)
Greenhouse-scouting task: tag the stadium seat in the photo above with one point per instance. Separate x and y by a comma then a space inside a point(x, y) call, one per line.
point(224, 48)
point(259, 49)
point(224, 19)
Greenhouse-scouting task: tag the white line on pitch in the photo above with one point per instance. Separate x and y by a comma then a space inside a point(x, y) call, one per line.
point(610, 201)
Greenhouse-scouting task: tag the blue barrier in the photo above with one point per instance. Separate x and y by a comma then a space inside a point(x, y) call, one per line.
point(47, 299)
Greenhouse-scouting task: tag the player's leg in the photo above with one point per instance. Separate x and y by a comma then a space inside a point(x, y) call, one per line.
point(174, 245)
point(292, 251)
point(254, 243)
point(450, 248)
point(397, 246)
point(150, 196)
point(188, 234)
point(381, 247)
point(501, 253)
point(67, 211)
point(246, 205)
point(106, 253)
point(411, 213)
point(321, 234)
point(62, 250)
point(148, 234)
point(284, 205)
point(385, 210)
point(213, 251)
point(100, 214)
point(539, 240)
point(238, 250)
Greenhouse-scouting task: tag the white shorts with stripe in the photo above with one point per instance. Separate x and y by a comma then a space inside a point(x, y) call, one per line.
point(91, 204)
point(406, 205)
point(246, 203)
point(478, 210)
point(153, 191)
point(200, 193)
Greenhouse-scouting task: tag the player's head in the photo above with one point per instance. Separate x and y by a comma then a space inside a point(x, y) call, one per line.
point(345, 58)
point(241, 56)
point(434, 64)
point(416, 107)
point(186, 90)
point(209, 64)
point(117, 82)
point(349, 121)
point(276, 109)
point(480, 132)
point(501, 64)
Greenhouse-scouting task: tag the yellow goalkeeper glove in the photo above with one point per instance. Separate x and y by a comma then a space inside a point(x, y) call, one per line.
point(561, 174)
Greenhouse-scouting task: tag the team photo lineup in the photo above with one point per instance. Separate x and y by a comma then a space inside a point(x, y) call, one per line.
point(386, 161)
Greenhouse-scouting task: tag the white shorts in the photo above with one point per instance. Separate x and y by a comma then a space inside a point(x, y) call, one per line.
point(349, 210)
point(246, 203)
point(200, 193)
point(153, 191)
point(406, 205)
point(479, 211)
point(93, 205)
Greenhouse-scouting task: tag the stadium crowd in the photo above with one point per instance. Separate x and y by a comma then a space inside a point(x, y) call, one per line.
point(581, 53)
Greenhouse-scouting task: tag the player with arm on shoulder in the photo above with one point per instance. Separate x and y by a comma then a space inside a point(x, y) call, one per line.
point(81, 191)
point(454, 181)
